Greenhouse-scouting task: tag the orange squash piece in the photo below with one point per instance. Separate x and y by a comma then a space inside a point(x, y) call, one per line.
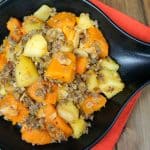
point(69, 33)
point(51, 116)
point(62, 72)
point(35, 136)
point(14, 26)
point(92, 104)
point(65, 21)
point(35, 90)
point(51, 98)
point(94, 35)
point(3, 60)
point(13, 23)
point(81, 64)
point(62, 19)
point(13, 110)
point(6, 45)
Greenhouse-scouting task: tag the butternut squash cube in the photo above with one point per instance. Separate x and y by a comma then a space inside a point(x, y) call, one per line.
point(62, 69)
point(92, 104)
point(13, 110)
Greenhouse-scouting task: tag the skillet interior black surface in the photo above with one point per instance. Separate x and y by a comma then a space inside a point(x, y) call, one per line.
point(132, 55)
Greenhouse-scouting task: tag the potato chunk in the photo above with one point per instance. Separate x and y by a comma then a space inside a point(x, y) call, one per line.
point(108, 63)
point(36, 46)
point(25, 72)
point(31, 23)
point(79, 127)
point(43, 12)
point(68, 111)
point(92, 82)
point(110, 83)
point(84, 21)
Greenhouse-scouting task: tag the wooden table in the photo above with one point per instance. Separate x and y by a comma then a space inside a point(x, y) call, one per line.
point(136, 135)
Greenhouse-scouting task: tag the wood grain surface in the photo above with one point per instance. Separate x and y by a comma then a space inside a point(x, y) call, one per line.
point(136, 135)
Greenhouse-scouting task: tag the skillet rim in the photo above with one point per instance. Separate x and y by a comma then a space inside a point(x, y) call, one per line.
point(131, 37)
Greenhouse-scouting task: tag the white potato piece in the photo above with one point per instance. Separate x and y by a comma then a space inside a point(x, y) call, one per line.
point(43, 13)
point(2, 90)
point(110, 83)
point(92, 82)
point(84, 21)
point(25, 72)
point(62, 92)
point(108, 63)
point(81, 52)
point(79, 127)
point(36, 46)
point(68, 47)
point(32, 23)
point(68, 111)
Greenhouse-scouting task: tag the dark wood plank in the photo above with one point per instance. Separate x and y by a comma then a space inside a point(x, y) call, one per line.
point(146, 7)
point(130, 7)
point(136, 134)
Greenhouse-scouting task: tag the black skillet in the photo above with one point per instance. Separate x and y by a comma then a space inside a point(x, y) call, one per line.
point(132, 55)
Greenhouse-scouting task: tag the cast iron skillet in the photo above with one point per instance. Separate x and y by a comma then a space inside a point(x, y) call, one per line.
point(132, 55)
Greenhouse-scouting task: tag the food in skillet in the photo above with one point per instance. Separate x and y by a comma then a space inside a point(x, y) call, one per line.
point(55, 72)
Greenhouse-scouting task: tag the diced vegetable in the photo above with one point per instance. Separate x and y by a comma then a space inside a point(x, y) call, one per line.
point(51, 98)
point(35, 136)
point(14, 26)
point(79, 127)
point(95, 38)
point(25, 72)
point(108, 63)
point(62, 19)
point(92, 104)
point(84, 21)
point(62, 68)
point(3, 60)
point(31, 23)
point(110, 83)
point(35, 91)
point(53, 118)
point(65, 21)
point(76, 38)
point(13, 110)
point(62, 92)
point(68, 47)
point(81, 52)
point(13, 23)
point(40, 113)
point(69, 33)
point(68, 111)
point(6, 50)
point(92, 81)
point(2, 90)
point(43, 12)
point(36, 46)
point(82, 63)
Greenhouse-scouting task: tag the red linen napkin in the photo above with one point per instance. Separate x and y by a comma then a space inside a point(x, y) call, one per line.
point(141, 32)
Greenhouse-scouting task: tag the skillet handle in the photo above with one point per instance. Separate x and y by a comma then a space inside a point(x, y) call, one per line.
point(135, 63)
